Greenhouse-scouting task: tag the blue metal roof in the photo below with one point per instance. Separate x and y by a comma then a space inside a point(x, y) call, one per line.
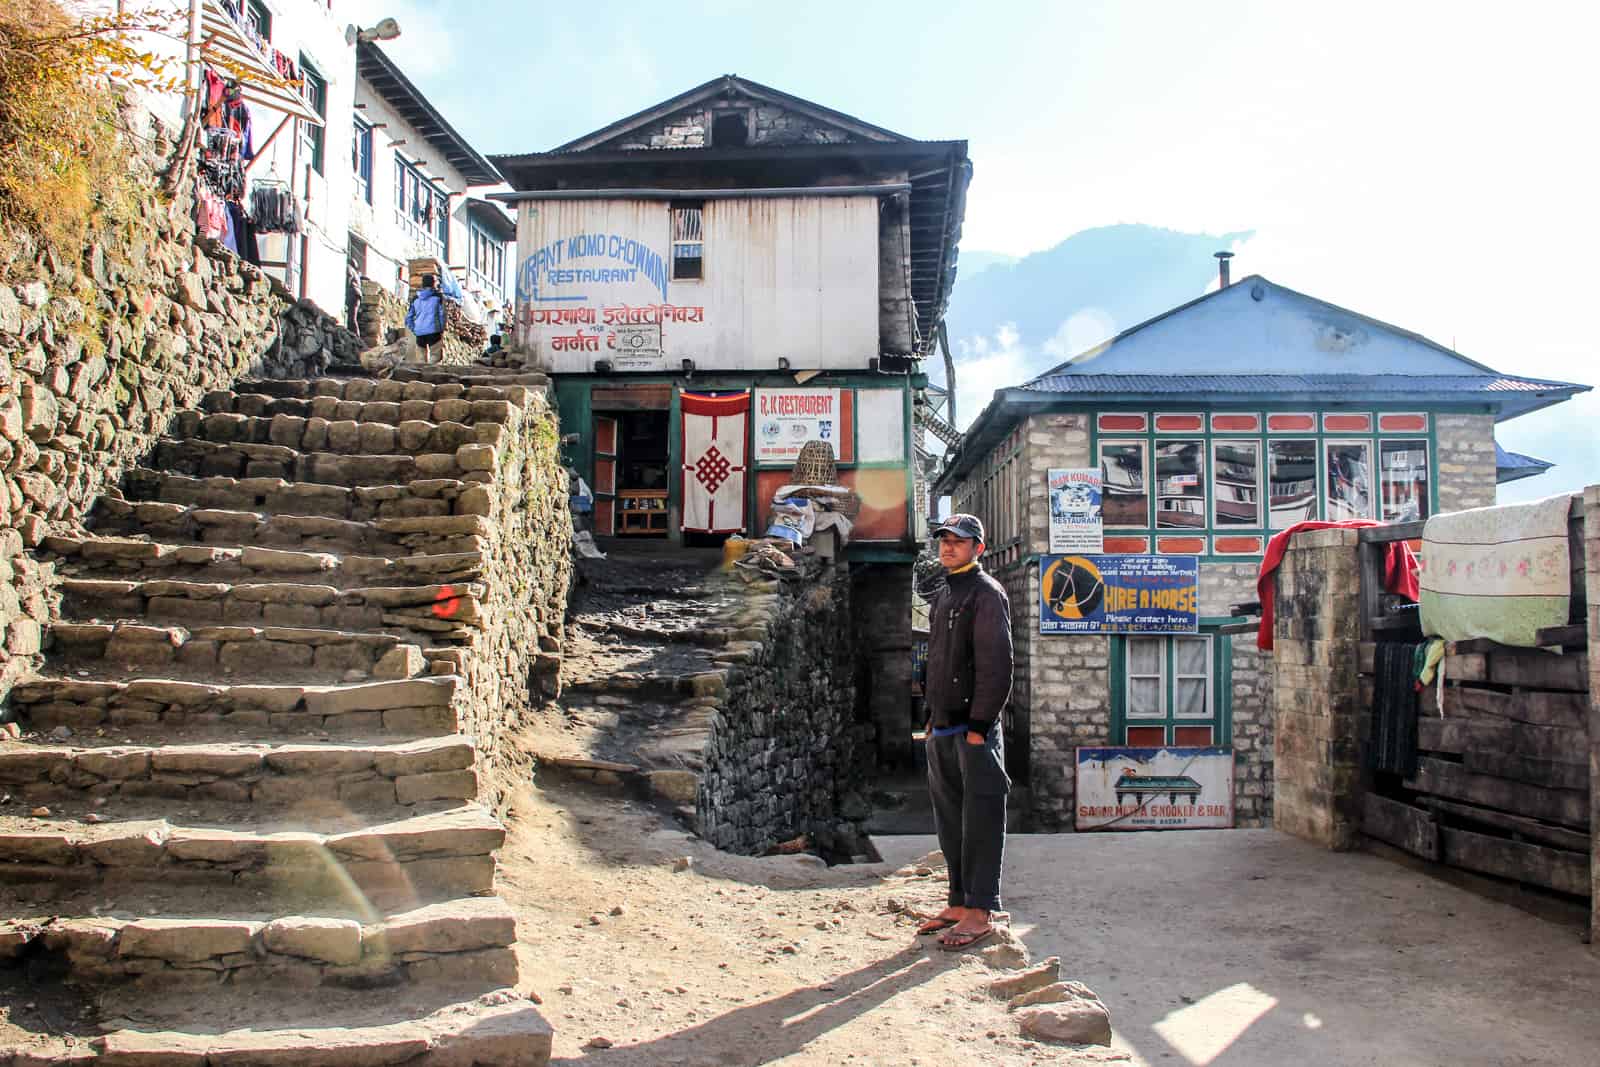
point(1514, 466)
point(1257, 342)
point(1511, 395)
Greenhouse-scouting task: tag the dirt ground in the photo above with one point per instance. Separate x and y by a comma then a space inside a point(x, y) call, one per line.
point(737, 961)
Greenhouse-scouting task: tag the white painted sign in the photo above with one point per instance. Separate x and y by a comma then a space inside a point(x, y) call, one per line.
point(785, 419)
point(1155, 788)
point(1075, 521)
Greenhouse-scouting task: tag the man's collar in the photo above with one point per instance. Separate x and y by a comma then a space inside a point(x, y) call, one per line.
point(962, 570)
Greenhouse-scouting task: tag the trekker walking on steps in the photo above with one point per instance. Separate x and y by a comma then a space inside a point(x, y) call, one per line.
point(969, 681)
point(425, 317)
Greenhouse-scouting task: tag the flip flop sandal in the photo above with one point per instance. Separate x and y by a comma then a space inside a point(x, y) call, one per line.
point(964, 941)
point(934, 925)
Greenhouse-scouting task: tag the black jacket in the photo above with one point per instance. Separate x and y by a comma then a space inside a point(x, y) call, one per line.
point(969, 652)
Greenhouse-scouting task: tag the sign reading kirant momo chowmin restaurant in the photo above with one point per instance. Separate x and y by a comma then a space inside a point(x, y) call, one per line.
point(1154, 788)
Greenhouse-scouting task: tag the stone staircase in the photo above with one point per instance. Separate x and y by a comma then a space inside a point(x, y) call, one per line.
point(247, 811)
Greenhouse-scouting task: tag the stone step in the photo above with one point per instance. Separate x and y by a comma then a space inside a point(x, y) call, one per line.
point(345, 437)
point(363, 776)
point(238, 459)
point(337, 409)
point(501, 1028)
point(305, 603)
point(425, 535)
point(409, 706)
point(376, 868)
point(383, 391)
point(474, 374)
point(429, 497)
point(467, 939)
point(88, 556)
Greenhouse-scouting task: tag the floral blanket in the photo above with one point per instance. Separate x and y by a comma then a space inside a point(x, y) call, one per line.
point(1501, 573)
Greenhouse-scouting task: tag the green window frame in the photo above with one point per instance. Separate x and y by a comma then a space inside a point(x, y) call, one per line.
point(314, 87)
point(1150, 677)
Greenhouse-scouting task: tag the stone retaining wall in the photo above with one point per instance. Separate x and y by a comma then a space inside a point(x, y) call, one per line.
point(97, 352)
point(782, 757)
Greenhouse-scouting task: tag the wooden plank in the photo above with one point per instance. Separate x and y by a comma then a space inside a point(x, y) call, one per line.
point(1395, 531)
point(1367, 657)
point(1546, 774)
point(1567, 710)
point(1400, 824)
point(1405, 623)
point(1248, 627)
point(1566, 872)
point(1533, 829)
point(1569, 636)
point(1370, 574)
point(1466, 668)
point(1541, 670)
point(1467, 733)
point(1569, 807)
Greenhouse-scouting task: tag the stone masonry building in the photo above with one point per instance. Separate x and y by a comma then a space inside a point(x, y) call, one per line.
point(1214, 425)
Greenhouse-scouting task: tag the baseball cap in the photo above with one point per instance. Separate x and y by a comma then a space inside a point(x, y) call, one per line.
point(962, 526)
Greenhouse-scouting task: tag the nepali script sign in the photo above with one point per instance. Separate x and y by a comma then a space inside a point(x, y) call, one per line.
point(787, 418)
point(1155, 789)
point(1075, 524)
point(1099, 594)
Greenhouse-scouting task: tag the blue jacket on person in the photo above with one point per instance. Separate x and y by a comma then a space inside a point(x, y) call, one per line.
point(426, 314)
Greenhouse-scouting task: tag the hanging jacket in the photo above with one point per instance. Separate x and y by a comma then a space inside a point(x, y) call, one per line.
point(426, 314)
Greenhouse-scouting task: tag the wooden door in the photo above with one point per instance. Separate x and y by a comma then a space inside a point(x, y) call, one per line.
point(605, 475)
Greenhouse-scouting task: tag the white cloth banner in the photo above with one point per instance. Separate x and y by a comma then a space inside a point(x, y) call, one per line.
point(714, 433)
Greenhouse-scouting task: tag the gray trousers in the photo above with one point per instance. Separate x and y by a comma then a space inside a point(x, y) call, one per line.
point(968, 785)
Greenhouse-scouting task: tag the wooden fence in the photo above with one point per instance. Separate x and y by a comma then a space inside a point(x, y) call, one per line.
point(1502, 785)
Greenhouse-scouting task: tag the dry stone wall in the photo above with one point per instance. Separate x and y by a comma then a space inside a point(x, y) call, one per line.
point(782, 757)
point(97, 353)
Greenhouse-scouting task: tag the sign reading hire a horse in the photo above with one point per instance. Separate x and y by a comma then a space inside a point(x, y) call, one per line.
point(1096, 594)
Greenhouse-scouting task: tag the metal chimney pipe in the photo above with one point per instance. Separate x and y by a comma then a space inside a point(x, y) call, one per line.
point(1222, 268)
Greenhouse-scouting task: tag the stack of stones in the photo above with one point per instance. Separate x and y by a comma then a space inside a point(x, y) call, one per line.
point(780, 759)
point(264, 744)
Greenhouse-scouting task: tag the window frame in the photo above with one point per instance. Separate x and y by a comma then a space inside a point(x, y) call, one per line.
point(410, 179)
point(361, 157)
point(1410, 444)
point(1144, 473)
point(1202, 475)
point(675, 212)
point(1218, 689)
point(492, 248)
point(1316, 476)
point(259, 16)
point(314, 90)
point(1366, 442)
point(1215, 498)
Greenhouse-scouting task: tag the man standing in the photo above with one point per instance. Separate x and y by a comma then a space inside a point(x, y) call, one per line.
point(969, 681)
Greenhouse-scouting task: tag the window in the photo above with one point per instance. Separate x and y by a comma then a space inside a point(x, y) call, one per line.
point(312, 137)
point(1403, 480)
point(361, 159)
point(1180, 485)
point(1236, 474)
point(422, 208)
point(1291, 482)
point(1125, 500)
point(730, 129)
point(1172, 690)
point(1348, 469)
point(486, 259)
point(258, 18)
point(688, 248)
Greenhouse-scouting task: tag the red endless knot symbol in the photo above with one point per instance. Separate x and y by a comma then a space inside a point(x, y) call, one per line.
point(712, 469)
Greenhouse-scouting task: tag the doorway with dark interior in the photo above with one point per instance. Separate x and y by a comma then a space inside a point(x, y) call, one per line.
point(642, 465)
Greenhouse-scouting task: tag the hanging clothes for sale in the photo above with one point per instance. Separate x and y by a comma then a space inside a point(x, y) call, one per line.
point(225, 147)
point(273, 208)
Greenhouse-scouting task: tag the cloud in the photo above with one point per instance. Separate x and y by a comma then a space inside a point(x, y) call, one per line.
point(984, 364)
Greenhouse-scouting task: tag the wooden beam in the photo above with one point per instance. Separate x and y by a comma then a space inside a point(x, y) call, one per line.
point(1565, 872)
point(1395, 531)
point(1570, 636)
point(1533, 829)
point(1569, 807)
point(1414, 829)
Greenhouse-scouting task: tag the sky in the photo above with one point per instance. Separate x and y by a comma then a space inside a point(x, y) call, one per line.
point(1432, 165)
